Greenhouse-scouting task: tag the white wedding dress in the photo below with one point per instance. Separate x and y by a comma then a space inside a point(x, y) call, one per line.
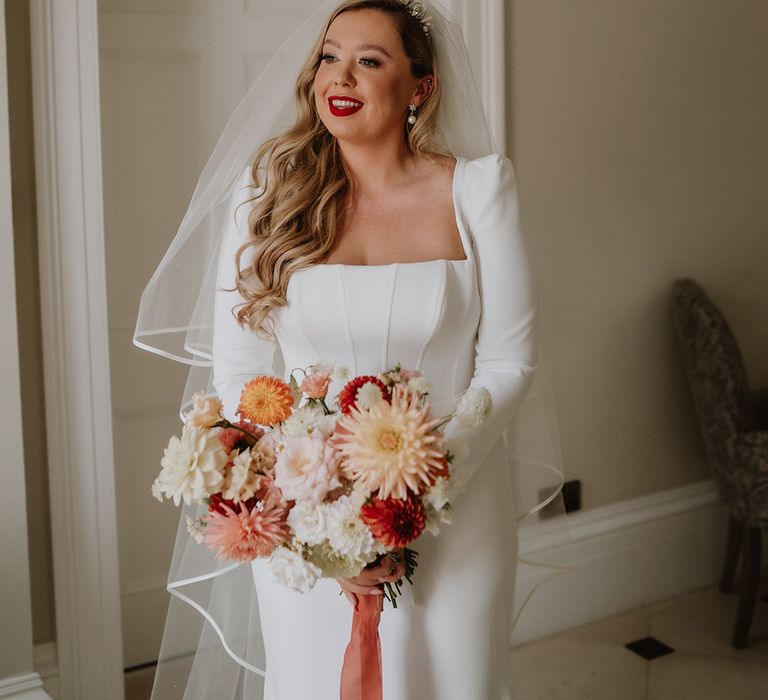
point(460, 322)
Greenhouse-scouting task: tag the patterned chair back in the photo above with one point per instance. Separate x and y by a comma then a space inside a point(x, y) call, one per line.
point(716, 378)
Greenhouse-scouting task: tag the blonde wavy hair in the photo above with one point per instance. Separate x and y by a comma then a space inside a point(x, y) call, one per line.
point(301, 200)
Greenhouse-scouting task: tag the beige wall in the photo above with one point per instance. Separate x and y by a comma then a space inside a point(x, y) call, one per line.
point(28, 300)
point(639, 131)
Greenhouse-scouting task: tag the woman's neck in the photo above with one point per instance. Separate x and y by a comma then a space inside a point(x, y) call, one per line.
point(374, 167)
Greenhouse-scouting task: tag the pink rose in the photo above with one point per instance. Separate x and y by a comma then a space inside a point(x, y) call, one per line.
point(307, 468)
point(315, 385)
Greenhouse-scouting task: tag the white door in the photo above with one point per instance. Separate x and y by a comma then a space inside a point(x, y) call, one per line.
point(171, 72)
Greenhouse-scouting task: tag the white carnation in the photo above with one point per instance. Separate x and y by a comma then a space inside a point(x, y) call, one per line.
point(292, 570)
point(308, 522)
point(193, 466)
point(474, 407)
point(347, 534)
point(419, 385)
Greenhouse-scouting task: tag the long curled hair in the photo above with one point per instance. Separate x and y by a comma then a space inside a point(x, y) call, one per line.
point(301, 199)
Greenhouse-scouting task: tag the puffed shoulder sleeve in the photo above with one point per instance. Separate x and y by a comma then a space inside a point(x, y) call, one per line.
point(238, 353)
point(506, 341)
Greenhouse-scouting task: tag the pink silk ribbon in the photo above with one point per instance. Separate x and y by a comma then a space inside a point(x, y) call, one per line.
point(361, 671)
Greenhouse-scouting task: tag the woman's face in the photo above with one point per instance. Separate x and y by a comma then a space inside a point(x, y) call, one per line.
point(363, 85)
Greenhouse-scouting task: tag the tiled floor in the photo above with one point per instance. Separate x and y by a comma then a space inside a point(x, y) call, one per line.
point(592, 663)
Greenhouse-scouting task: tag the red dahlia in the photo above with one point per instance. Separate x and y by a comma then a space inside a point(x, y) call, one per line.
point(217, 504)
point(394, 521)
point(348, 395)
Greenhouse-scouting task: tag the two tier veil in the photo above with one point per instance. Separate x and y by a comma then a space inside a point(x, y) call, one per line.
point(212, 645)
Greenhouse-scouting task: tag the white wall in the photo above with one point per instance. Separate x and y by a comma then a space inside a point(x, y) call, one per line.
point(639, 134)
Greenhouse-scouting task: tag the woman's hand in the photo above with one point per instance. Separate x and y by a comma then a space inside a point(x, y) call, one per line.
point(389, 567)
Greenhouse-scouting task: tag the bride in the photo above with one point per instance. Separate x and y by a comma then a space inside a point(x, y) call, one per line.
point(378, 227)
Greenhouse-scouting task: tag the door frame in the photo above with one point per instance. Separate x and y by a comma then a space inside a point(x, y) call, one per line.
point(67, 128)
point(73, 300)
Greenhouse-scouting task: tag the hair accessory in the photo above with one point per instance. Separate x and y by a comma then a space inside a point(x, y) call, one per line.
point(412, 115)
point(419, 12)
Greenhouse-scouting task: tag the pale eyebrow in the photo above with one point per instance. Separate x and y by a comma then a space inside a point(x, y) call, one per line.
point(361, 47)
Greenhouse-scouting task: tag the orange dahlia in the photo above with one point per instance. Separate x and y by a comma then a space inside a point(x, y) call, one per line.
point(393, 521)
point(265, 400)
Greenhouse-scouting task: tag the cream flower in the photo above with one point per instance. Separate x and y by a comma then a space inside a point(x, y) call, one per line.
point(193, 466)
point(292, 570)
point(308, 522)
point(419, 384)
point(307, 468)
point(334, 564)
point(347, 534)
point(307, 419)
point(437, 505)
point(195, 528)
point(390, 447)
point(243, 480)
point(205, 412)
point(369, 395)
point(474, 407)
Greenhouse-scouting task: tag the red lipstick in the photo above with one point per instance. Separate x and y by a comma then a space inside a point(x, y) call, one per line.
point(344, 105)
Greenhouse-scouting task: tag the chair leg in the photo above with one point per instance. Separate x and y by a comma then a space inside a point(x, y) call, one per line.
point(735, 536)
point(750, 585)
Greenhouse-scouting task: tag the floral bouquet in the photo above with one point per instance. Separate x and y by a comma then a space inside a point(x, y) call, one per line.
point(319, 490)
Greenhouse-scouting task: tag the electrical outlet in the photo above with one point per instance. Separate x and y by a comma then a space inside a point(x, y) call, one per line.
point(569, 498)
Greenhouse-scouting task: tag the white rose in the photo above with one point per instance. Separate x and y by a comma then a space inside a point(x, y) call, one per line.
point(307, 521)
point(474, 407)
point(292, 570)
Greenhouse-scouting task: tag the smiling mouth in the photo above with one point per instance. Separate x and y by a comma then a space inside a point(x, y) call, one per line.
point(343, 106)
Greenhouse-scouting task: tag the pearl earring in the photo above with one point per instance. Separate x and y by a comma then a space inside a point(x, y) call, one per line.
point(412, 115)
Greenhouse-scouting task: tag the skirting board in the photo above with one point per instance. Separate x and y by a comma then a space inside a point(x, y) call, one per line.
point(625, 555)
point(26, 687)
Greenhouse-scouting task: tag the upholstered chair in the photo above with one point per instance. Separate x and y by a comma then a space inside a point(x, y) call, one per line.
point(733, 421)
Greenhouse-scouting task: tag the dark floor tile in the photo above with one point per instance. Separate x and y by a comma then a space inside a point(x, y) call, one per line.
point(649, 648)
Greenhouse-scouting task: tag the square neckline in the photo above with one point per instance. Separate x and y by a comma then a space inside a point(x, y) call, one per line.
point(455, 183)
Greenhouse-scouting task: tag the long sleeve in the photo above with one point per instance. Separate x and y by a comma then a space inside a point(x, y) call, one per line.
point(238, 353)
point(505, 346)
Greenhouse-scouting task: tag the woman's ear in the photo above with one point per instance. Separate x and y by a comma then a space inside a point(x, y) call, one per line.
point(424, 88)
